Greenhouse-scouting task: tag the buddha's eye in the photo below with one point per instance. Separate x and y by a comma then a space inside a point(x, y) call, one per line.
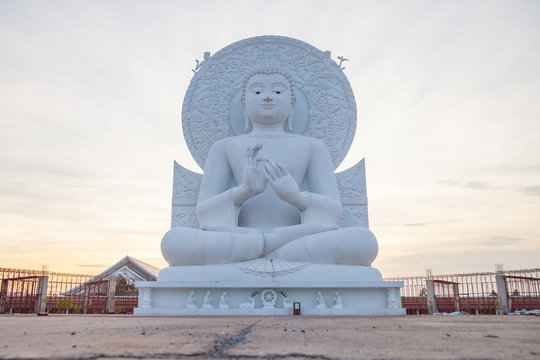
point(257, 92)
point(277, 92)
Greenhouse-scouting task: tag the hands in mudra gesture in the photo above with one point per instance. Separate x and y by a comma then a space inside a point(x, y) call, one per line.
point(259, 172)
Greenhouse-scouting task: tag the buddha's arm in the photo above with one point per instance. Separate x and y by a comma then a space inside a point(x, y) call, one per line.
point(219, 200)
point(215, 205)
point(324, 203)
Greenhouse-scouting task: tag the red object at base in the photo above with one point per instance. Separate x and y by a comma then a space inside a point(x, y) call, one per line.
point(296, 308)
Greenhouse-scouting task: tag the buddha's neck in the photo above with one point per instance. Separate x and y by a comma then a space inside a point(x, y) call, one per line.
point(271, 129)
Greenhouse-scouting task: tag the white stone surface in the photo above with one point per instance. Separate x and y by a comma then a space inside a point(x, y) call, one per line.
point(354, 298)
point(212, 108)
point(255, 200)
point(269, 209)
point(351, 185)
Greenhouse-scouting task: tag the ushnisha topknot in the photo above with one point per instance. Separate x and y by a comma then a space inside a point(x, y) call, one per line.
point(267, 72)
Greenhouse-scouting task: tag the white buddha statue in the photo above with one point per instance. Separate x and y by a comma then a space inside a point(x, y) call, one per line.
point(269, 193)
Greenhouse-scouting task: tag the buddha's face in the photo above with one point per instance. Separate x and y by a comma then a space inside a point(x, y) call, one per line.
point(268, 99)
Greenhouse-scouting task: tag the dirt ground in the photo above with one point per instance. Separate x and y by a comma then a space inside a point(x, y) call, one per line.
point(402, 337)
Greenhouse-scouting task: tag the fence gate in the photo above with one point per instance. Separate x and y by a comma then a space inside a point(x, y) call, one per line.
point(126, 297)
point(523, 292)
point(19, 295)
point(95, 297)
point(446, 295)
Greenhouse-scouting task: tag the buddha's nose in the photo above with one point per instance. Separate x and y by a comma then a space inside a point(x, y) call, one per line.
point(268, 99)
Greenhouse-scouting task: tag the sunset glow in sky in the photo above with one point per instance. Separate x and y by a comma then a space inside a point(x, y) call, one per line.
point(448, 101)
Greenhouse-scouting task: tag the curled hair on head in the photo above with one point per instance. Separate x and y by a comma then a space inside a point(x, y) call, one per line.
point(267, 72)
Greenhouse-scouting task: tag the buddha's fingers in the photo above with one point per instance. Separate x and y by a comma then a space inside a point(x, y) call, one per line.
point(270, 171)
point(282, 169)
point(256, 149)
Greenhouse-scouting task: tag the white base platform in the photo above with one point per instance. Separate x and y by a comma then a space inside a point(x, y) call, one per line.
point(269, 287)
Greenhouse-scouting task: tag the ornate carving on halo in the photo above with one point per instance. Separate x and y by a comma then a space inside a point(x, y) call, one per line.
point(186, 185)
point(352, 184)
point(184, 215)
point(325, 106)
point(355, 215)
point(352, 189)
point(198, 63)
point(341, 61)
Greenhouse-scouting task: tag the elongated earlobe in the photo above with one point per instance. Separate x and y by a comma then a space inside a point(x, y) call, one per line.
point(289, 122)
point(247, 122)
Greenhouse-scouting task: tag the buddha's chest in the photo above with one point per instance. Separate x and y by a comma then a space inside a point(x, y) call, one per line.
point(294, 154)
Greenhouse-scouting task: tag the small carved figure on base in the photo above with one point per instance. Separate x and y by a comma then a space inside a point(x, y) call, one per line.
point(207, 301)
point(321, 302)
point(191, 301)
point(223, 301)
point(248, 305)
point(337, 300)
point(287, 303)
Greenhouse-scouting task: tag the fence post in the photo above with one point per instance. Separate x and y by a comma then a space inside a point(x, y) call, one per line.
point(111, 294)
point(430, 292)
point(456, 296)
point(502, 294)
point(41, 299)
point(3, 294)
point(86, 297)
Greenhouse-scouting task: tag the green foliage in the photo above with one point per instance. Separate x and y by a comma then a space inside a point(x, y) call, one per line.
point(63, 305)
point(67, 304)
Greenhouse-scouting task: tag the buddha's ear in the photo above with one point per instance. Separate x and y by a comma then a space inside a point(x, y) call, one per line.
point(247, 124)
point(288, 123)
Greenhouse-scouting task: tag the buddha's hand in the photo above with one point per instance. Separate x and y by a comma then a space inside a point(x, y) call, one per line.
point(254, 178)
point(284, 184)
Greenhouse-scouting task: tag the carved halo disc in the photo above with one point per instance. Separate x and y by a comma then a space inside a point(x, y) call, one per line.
point(325, 107)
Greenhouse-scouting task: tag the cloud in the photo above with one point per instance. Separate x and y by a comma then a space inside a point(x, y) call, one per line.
point(531, 169)
point(501, 240)
point(475, 185)
point(530, 190)
point(416, 224)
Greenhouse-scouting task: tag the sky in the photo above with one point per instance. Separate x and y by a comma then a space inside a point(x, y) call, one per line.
point(448, 120)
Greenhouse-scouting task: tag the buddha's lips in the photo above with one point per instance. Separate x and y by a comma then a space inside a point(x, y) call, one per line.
point(268, 106)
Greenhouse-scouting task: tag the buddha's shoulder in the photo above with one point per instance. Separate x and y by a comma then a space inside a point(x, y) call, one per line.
point(246, 139)
point(312, 142)
point(223, 143)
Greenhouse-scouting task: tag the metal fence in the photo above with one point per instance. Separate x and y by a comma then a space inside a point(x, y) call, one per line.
point(29, 291)
point(473, 293)
point(523, 288)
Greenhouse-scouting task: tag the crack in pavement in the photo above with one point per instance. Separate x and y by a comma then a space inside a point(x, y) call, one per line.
point(232, 341)
point(198, 355)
